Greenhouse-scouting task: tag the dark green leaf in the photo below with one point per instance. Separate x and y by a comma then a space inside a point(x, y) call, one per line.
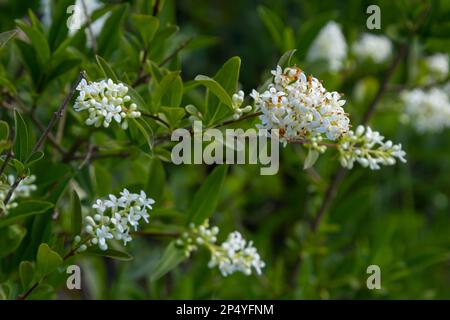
point(35, 157)
point(26, 272)
point(25, 209)
point(109, 38)
point(172, 257)
point(154, 187)
point(38, 41)
point(10, 239)
point(21, 142)
point(215, 88)
point(285, 60)
point(76, 215)
point(110, 253)
point(106, 69)
point(207, 197)
point(47, 260)
point(6, 36)
point(147, 26)
point(4, 130)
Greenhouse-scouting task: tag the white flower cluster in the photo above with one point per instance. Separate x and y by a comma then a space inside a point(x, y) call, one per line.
point(375, 47)
point(115, 217)
point(438, 65)
point(236, 255)
point(428, 111)
point(233, 255)
point(300, 107)
point(105, 101)
point(329, 46)
point(369, 149)
point(23, 190)
point(238, 99)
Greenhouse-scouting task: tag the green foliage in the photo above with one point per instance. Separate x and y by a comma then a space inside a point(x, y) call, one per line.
point(206, 198)
point(396, 218)
point(47, 260)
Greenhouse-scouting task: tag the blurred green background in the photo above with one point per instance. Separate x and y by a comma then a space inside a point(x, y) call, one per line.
point(397, 218)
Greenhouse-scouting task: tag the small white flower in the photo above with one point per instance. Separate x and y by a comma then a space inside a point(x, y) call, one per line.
point(438, 65)
point(428, 111)
point(378, 48)
point(329, 46)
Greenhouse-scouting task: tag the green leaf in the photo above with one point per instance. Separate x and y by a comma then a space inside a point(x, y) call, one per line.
point(38, 41)
point(109, 38)
point(6, 36)
point(172, 115)
point(4, 130)
point(21, 143)
point(147, 26)
point(18, 166)
point(30, 60)
point(175, 93)
point(110, 253)
point(227, 77)
point(207, 197)
point(35, 157)
point(311, 158)
point(144, 133)
point(171, 257)
point(47, 260)
point(26, 272)
point(137, 98)
point(154, 187)
point(164, 87)
point(273, 23)
point(58, 30)
point(76, 215)
point(61, 67)
point(285, 60)
point(25, 209)
point(106, 69)
point(215, 88)
point(10, 239)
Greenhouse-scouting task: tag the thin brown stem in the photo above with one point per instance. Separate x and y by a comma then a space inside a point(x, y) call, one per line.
point(8, 157)
point(28, 292)
point(71, 253)
point(243, 118)
point(341, 172)
point(175, 52)
point(56, 115)
point(89, 26)
point(401, 53)
point(156, 8)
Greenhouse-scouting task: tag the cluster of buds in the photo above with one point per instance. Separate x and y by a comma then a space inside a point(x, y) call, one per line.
point(369, 149)
point(233, 255)
point(238, 100)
